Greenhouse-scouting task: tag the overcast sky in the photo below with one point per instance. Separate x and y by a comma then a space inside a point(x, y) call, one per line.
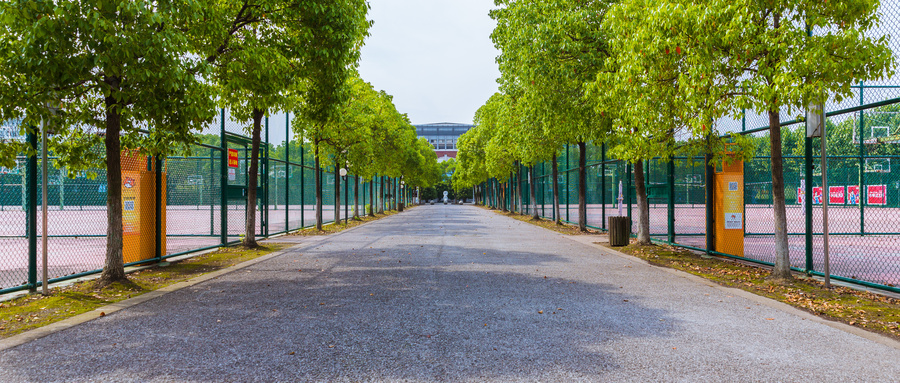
point(434, 56)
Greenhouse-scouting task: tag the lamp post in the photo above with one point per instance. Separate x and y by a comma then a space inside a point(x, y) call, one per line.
point(343, 173)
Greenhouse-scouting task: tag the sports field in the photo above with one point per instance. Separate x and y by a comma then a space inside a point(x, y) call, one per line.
point(77, 235)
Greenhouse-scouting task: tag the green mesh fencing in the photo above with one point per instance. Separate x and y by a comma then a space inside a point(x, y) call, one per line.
point(863, 172)
point(205, 203)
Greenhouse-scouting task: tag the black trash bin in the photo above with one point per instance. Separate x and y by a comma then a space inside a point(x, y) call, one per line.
point(619, 231)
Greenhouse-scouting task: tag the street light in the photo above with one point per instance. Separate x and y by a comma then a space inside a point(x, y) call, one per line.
point(343, 173)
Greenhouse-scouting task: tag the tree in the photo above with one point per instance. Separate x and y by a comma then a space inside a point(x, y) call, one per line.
point(114, 69)
point(273, 55)
point(767, 62)
point(550, 80)
point(339, 29)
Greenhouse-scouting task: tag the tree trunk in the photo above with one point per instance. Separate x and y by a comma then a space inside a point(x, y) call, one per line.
point(318, 176)
point(372, 198)
point(582, 186)
point(337, 195)
point(555, 170)
point(381, 205)
point(250, 227)
point(643, 234)
point(114, 266)
point(531, 176)
point(356, 197)
point(503, 197)
point(519, 188)
point(782, 269)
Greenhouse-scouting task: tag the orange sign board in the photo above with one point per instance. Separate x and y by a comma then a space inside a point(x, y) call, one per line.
point(729, 209)
point(232, 158)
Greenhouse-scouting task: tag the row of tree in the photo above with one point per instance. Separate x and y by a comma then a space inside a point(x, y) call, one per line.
point(650, 79)
point(149, 75)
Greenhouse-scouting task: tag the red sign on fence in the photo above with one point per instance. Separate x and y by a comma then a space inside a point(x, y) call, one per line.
point(232, 158)
point(836, 195)
point(853, 195)
point(877, 195)
point(817, 195)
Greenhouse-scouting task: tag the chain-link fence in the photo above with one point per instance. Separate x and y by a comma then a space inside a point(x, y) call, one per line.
point(863, 176)
point(204, 190)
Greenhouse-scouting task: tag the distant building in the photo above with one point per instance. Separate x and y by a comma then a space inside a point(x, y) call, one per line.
point(443, 136)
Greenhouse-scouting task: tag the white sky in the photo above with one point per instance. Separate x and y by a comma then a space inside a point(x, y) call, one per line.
point(434, 56)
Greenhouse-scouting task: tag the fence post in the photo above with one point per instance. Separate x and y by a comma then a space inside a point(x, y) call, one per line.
point(628, 192)
point(223, 174)
point(31, 210)
point(302, 189)
point(603, 186)
point(863, 193)
point(346, 199)
point(567, 183)
point(670, 178)
point(710, 205)
point(264, 202)
point(807, 202)
point(159, 201)
point(212, 203)
point(287, 172)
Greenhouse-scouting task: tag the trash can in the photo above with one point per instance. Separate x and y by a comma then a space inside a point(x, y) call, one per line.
point(619, 231)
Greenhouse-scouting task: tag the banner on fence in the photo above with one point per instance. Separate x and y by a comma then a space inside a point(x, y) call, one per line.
point(877, 195)
point(817, 195)
point(853, 195)
point(233, 158)
point(836, 195)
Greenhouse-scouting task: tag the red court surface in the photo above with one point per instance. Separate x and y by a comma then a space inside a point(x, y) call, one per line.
point(77, 236)
point(873, 257)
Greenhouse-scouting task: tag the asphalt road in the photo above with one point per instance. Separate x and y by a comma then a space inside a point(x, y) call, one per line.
point(450, 293)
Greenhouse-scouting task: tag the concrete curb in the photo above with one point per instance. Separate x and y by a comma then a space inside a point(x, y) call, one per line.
point(28, 336)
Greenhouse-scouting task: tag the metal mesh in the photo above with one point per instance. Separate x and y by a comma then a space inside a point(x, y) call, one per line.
point(194, 195)
point(864, 195)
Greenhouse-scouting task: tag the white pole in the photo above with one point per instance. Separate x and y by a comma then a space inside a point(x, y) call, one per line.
point(825, 190)
point(44, 206)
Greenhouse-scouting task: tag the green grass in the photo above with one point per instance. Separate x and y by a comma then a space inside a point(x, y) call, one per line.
point(338, 227)
point(33, 311)
point(562, 227)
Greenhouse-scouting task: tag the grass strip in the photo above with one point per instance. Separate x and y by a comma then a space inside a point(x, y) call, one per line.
point(33, 311)
point(561, 227)
point(338, 227)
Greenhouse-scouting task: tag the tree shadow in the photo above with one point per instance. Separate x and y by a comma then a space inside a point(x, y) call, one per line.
point(358, 321)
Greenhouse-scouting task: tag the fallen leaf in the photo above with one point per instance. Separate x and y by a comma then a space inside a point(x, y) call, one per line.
point(540, 311)
point(291, 353)
point(770, 318)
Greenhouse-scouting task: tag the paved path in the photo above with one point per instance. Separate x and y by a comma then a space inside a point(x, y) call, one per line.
point(450, 293)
